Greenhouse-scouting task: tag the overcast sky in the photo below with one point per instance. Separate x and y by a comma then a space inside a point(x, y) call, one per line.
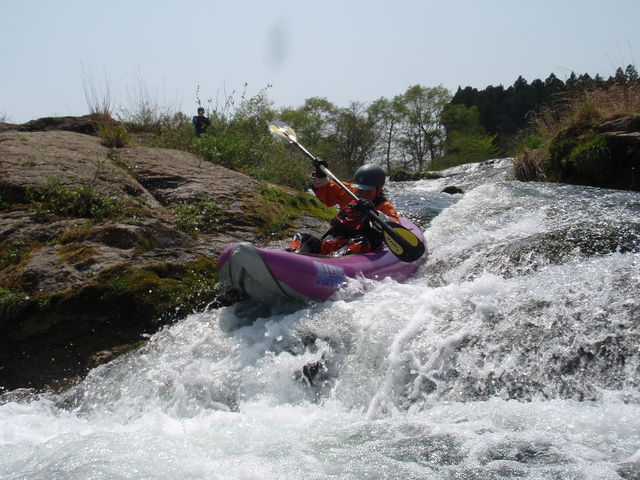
point(342, 50)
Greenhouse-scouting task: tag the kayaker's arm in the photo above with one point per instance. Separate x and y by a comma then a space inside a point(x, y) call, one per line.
point(329, 193)
point(388, 210)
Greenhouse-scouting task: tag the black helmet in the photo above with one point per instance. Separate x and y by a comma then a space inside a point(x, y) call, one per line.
point(369, 176)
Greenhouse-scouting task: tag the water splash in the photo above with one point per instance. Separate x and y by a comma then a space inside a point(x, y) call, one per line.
point(512, 354)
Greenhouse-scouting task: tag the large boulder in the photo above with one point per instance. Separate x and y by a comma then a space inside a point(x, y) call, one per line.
point(100, 246)
point(88, 124)
point(604, 154)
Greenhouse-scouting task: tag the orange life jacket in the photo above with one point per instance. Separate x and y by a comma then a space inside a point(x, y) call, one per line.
point(331, 194)
point(350, 232)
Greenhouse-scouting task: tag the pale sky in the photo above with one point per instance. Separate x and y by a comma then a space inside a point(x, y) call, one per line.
point(358, 50)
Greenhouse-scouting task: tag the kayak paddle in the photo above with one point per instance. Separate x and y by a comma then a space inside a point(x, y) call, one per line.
point(402, 242)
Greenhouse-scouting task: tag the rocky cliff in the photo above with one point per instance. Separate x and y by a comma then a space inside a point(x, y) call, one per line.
point(101, 246)
point(592, 151)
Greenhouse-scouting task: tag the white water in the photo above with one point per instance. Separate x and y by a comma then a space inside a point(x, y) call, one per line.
point(512, 354)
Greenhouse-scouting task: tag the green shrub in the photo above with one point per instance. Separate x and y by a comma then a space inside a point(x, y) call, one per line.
point(592, 158)
point(201, 216)
point(283, 170)
point(465, 148)
point(246, 147)
point(12, 304)
point(13, 252)
point(528, 141)
point(74, 201)
point(178, 138)
point(114, 136)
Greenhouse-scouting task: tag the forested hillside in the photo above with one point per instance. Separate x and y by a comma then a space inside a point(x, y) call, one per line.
point(504, 112)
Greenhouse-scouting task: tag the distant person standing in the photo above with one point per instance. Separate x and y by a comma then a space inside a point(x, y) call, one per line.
point(201, 122)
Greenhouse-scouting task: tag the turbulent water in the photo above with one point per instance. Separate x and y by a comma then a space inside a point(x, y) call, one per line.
point(513, 353)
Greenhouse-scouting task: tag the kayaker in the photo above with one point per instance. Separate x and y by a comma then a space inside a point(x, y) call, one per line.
point(351, 230)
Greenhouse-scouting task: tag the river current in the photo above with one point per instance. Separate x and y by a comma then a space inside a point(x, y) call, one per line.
point(514, 352)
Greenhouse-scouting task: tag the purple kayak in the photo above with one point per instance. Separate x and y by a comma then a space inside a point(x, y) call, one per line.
point(264, 274)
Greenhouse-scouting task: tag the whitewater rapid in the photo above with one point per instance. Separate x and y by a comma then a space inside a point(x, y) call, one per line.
point(513, 353)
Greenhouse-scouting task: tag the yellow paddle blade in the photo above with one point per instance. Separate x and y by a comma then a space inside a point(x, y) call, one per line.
point(282, 130)
point(394, 246)
point(406, 246)
point(407, 235)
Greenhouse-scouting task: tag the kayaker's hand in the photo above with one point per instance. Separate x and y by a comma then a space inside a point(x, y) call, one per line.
point(365, 205)
point(318, 162)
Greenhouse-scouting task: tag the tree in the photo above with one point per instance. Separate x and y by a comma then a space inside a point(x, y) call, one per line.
point(572, 82)
point(553, 84)
point(355, 137)
point(467, 148)
point(467, 140)
point(460, 118)
point(520, 83)
point(422, 132)
point(388, 114)
point(620, 77)
point(314, 123)
point(632, 74)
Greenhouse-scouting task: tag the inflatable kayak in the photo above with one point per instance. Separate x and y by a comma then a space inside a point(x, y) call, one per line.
point(263, 274)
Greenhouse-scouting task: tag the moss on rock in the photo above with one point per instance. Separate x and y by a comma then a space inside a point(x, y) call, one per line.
point(148, 294)
point(591, 158)
point(124, 302)
point(76, 254)
point(585, 155)
point(273, 209)
point(201, 216)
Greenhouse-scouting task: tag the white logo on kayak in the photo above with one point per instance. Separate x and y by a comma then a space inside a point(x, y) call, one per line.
point(329, 275)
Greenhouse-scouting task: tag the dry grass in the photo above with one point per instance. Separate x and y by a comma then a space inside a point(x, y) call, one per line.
point(617, 100)
point(97, 95)
point(528, 166)
point(588, 106)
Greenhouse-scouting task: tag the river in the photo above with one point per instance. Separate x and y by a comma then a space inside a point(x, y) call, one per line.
point(514, 352)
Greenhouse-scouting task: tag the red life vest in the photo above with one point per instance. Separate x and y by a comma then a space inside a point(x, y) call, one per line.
point(352, 229)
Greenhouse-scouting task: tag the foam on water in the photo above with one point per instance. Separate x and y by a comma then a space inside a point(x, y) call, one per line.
point(512, 354)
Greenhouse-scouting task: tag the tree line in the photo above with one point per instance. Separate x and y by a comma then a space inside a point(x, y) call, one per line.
point(504, 112)
point(423, 128)
point(429, 128)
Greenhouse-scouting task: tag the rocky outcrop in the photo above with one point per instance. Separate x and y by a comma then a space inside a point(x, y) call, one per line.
point(602, 153)
point(87, 124)
point(100, 246)
point(622, 137)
